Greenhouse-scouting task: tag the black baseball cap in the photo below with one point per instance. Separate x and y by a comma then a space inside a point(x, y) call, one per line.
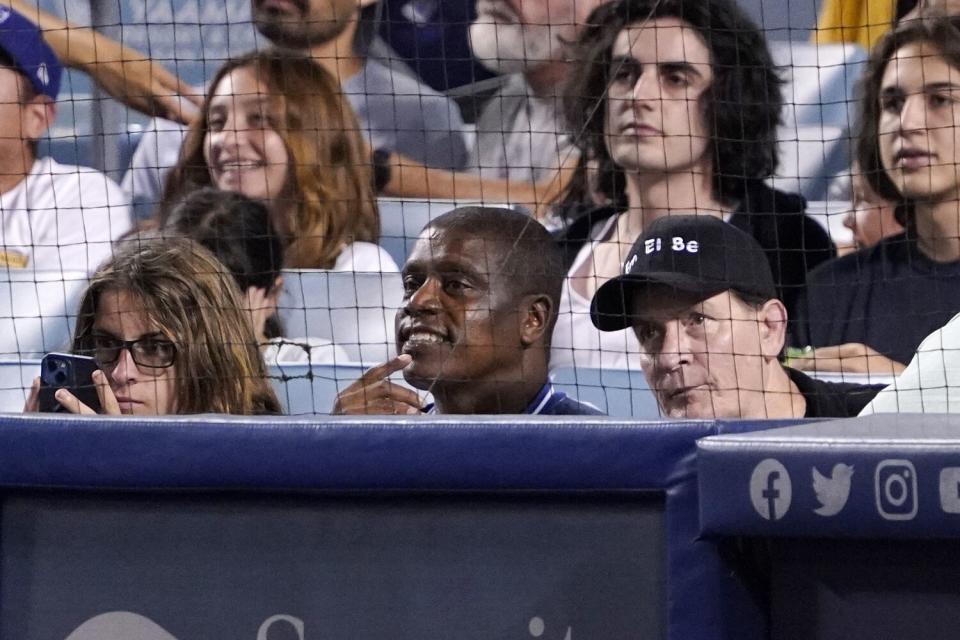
point(701, 255)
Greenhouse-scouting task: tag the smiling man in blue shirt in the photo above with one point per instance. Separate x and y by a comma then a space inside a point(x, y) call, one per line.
point(481, 292)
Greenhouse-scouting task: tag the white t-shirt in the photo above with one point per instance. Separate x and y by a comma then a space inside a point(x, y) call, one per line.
point(61, 217)
point(576, 342)
point(365, 256)
point(519, 135)
point(931, 382)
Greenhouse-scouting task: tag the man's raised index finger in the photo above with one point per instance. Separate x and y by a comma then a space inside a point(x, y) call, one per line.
point(383, 371)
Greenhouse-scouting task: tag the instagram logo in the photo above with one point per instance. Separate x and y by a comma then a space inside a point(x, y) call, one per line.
point(896, 490)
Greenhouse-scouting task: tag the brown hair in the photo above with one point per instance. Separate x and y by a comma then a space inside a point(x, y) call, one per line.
point(941, 32)
point(741, 107)
point(329, 200)
point(193, 300)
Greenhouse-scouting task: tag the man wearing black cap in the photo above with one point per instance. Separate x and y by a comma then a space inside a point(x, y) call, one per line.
point(699, 295)
point(52, 216)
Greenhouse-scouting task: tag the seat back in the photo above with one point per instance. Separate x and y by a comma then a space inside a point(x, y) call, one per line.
point(354, 310)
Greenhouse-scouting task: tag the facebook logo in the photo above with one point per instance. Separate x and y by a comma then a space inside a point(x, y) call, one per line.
point(770, 489)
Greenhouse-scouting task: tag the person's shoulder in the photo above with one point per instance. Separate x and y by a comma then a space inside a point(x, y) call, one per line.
point(760, 198)
point(827, 399)
point(74, 185)
point(580, 223)
point(579, 228)
point(858, 265)
point(377, 77)
point(365, 256)
point(161, 137)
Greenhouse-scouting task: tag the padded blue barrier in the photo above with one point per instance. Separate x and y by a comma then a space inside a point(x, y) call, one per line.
point(854, 525)
point(449, 527)
point(925, 446)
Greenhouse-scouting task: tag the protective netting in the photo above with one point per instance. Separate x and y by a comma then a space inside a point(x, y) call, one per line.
point(308, 143)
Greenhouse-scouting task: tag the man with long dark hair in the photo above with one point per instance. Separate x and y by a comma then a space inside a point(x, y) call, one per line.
point(676, 104)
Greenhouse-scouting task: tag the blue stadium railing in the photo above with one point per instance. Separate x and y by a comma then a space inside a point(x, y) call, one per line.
point(852, 527)
point(451, 527)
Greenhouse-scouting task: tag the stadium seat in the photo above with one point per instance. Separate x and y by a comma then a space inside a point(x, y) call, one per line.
point(821, 82)
point(305, 389)
point(820, 109)
point(354, 310)
point(830, 214)
point(810, 158)
point(616, 392)
point(401, 221)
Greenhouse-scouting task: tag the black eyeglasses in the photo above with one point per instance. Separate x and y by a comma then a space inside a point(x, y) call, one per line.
point(150, 352)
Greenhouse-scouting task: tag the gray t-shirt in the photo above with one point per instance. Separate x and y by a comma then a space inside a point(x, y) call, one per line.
point(395, 111)
point(520, 136)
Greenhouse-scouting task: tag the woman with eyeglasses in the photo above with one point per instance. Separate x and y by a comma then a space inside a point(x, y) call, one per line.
point(165, 322)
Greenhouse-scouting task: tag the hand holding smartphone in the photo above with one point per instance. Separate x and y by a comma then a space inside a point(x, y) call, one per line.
point(70, 372)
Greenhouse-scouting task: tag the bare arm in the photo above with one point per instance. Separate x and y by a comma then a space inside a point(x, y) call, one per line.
point(851, 357)
point(122, 72)
point(410, 179)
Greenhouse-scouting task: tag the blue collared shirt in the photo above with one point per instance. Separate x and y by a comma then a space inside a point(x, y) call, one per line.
point(548, 402)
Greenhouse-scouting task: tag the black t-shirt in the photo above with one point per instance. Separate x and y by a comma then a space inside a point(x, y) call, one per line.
point(832, 399)
point(793, 242)
point(889, 297)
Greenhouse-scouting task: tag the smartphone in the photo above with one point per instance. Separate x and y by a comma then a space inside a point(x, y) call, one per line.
point(70, 372)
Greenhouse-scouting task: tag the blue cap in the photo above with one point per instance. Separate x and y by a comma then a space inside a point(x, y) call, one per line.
point(22, 41)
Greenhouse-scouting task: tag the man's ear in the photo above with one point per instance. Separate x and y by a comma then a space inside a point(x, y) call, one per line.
point(37, 116)
point(772, 322)
point(535, 314)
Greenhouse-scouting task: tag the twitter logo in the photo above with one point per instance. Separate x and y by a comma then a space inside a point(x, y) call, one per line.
point(832, 492)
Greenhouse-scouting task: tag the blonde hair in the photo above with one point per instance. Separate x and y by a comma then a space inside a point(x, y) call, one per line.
point(195, 303)
point(328, 200)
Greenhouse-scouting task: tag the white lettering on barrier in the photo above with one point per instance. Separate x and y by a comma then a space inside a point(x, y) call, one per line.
point(133, 626)
point(297, 624)
point(537, 627)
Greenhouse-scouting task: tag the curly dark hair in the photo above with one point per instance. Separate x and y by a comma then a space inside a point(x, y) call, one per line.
point(944, 34)
point(742, 106)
